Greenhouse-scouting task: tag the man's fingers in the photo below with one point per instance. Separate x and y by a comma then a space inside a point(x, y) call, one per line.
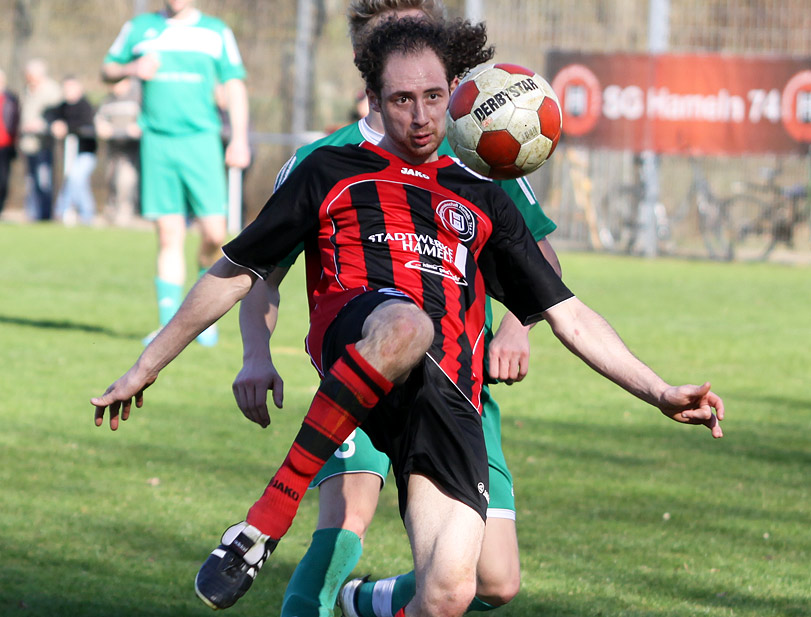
point(278, 392)
point(492, 366)
point(715, 427)
point(718, 404)
point(114, 407)
point(125, 409)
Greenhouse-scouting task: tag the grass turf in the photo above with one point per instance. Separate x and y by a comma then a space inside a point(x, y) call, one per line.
point(620, 511)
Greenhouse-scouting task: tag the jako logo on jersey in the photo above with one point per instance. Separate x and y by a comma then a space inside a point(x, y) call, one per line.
point(456, 217)
point(483, 491)
point(439, 269)
point(286, 490)
point(413, 172)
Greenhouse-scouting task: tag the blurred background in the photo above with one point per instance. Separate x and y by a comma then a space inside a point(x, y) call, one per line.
point(687, 123)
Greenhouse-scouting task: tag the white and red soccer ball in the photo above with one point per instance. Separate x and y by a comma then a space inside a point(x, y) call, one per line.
point(504, 121)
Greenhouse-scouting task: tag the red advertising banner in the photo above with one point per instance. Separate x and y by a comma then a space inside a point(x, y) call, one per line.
point(684, 103)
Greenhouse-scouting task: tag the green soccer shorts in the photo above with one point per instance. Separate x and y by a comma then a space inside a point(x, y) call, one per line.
point(182, 174)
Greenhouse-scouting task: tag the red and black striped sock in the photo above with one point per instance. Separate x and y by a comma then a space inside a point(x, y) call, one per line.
point(348, 392)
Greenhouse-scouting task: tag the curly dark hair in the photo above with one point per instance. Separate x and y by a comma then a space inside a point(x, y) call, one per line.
point(364, 15)
point(460, 46)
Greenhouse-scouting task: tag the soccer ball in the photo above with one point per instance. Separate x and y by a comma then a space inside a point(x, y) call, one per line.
point(504, 121)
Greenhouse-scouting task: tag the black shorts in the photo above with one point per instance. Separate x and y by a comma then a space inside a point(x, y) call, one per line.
point(425, 426)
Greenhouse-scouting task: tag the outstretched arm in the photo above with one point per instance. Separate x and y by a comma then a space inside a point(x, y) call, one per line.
point(258, 312)
point(590, 337)
point(212, 296)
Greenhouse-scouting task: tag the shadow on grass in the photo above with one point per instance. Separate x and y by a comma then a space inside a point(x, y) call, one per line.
point(640, 446)
point(147, 573)
point(695, 599)
point(64, 324)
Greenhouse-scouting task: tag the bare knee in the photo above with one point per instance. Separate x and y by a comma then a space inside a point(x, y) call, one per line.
point(498, 572)
point(348, 501)
point(445, 597)
point(396, 336)
point(499, 589)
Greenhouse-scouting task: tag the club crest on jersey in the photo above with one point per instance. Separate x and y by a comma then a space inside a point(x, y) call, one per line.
point(457, 218)
point(413, 172)
point(437, 269)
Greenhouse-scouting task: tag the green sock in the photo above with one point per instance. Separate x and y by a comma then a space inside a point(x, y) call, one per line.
point(316, 581)
point(387, 596)
point(480, 605)
point(169, 297)
point(377, 598)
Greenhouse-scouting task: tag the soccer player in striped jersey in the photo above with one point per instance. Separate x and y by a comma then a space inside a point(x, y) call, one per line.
point(350, 481)
point(402, 245)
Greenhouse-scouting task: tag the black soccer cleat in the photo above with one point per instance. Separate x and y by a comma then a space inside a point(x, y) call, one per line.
point(230, 569)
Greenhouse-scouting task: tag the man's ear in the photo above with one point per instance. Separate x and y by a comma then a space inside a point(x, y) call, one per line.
point(374, 102)
point(453, 84)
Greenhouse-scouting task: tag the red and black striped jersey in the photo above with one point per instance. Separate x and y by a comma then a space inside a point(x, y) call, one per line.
point(436, 232)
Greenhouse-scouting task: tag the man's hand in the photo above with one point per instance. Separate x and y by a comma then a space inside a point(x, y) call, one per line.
point(146, 66)
point(59, 129)
point(251, 390)
point(118, 397)
point(508, 352)
point(238, 154)
point(694, 405)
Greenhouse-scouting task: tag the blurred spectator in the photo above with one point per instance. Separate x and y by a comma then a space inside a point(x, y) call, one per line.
point(117, 123)
point(41, 92)
point(9, 124)
point(74, 117)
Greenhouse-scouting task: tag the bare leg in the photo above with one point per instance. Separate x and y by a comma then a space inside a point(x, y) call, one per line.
point(498, 574)
point(171, 258)
point(348, 501)
point(212, 237)
point(446, 539)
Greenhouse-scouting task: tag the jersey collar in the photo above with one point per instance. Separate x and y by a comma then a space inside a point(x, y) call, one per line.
point(193, 18)
point(368, 133)
point(442, 161)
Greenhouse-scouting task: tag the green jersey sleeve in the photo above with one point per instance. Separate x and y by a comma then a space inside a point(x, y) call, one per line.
point(524, 198)
point(350, 134)
point(120, 51)
point(229, 65)
point(522, 195)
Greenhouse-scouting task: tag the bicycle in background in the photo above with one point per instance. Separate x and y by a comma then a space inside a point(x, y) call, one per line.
point(750, 222)
point(782, 210)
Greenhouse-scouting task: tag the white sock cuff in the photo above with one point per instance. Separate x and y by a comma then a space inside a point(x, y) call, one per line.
point(381, 596)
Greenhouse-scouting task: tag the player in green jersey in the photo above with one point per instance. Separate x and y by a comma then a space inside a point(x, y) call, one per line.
point(350, 482)
point(181, 55)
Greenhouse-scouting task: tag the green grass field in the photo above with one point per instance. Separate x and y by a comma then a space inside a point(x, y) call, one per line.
point(621, 512)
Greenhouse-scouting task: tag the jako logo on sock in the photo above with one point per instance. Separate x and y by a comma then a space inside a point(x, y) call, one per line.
point(289, 492)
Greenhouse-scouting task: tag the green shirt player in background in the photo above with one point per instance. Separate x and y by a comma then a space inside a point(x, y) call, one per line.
point(181, 55)
point(350, 482)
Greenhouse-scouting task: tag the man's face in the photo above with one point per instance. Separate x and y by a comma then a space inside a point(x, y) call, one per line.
point(412, 103)
point(177, 8)
point(72, 90)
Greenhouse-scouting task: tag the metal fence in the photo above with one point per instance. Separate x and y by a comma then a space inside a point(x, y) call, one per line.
point(590, 193)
